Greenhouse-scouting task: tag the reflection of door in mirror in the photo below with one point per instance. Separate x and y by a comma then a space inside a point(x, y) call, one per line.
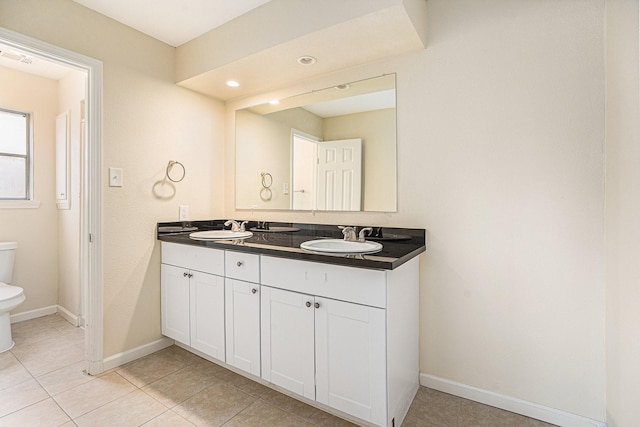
point(303, 170)
point(340, 175)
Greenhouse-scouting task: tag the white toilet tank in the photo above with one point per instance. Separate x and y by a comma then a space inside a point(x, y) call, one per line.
point(7, 255)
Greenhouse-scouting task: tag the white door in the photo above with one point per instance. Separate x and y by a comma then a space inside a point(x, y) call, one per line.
point(340, 175)
point(174, 302)
point(243, 325)
point(351, 359)
point(288, 340)
point(207, 314)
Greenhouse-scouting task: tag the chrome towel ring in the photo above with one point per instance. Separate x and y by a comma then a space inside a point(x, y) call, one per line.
point(170, 166)
point(265, 191)
point(267, 179)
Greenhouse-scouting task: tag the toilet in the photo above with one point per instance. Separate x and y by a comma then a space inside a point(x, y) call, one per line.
point(10, 296)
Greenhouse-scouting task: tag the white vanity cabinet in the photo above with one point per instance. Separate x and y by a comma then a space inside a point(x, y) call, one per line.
point(342, 338)
point(328, 332)
point(242, 304)
point(192, 297)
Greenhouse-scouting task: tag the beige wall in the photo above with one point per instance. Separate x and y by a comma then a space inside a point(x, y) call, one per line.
point(71, 91)
point(623, 212)
point(35, 230)
point(500, 158)
point(147, 121)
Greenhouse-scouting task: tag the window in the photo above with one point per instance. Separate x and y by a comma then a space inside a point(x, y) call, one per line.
point(15, 157)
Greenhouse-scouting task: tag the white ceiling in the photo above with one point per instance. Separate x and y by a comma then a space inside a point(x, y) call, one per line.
point(18, 60)
point(174, 22)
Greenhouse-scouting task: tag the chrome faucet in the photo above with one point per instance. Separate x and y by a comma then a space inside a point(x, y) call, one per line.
point(349, 233)
point(364, 232)
point(235, 226)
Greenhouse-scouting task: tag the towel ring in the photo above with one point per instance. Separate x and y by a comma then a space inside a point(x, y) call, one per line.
point(267, 179)
point(170, 166)
point(266, 194)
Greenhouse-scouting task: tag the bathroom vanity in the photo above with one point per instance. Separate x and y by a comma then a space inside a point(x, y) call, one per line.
point(337, 331)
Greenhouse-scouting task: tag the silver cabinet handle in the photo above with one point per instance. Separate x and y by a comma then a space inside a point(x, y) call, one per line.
point(185, 274)
point(308, 303)
point(254, 290)
point(317, 305)
point(239, 263)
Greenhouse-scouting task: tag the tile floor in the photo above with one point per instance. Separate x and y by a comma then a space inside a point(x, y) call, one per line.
point(42, 384)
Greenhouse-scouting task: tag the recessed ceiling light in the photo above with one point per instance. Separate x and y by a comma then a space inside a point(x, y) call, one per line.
point(274, 102)
point(344, 86)
point(233, 83)
point(307, 60)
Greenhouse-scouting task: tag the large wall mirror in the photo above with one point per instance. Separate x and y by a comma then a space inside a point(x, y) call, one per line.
point(330, 149)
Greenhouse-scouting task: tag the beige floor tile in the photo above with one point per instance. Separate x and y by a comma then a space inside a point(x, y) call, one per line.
point(289, 404)
point(11, 371)
point(181, 355)
point(133, 409)
point(64, 378)
point(440, 409)
point(214, 405)
point(411, 421)
point(48, 355)
point(260, 413)
point(20, 396)
point(325, 419)
point(31, 331)
point(150, 368)
point(93, 394)
point(476, 414)
point(168, 419)
point(245, 384)
point(177, 387)
point(44, 413)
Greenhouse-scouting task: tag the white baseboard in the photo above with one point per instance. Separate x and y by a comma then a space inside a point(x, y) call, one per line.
point(68, 316)
point(32, 314)
point(508, 403)
point(135, 353)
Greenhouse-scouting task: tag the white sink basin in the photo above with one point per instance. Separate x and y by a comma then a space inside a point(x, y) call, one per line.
point(339, 246)
point(220, 235)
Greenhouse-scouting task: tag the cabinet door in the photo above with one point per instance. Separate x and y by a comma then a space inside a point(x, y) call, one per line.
point(288, 340)
point(243, 325)
point(351, 359)
point(174, 296)
point(207, 314)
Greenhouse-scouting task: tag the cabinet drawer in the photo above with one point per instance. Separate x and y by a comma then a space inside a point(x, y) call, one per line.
point(359, 285)
point(194, 258)
point(242, 266)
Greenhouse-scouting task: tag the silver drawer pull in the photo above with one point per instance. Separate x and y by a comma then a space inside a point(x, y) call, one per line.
point(317, 305)
point(185, 274)
point(239, 263)
point(254, 290)
point(308, 303)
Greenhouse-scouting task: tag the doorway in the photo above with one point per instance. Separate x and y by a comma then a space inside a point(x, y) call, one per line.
point(90, 200)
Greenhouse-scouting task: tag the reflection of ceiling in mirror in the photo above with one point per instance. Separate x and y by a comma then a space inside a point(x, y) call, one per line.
point(345, 90)
point(354, 104)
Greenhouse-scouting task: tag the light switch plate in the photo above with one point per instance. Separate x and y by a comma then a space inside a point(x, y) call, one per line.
point(184, 213)
point(115, 177)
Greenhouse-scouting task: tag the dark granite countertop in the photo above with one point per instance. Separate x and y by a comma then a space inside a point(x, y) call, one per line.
point(399, 244)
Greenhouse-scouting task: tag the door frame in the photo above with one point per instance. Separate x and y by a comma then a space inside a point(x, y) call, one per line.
point(91, 261)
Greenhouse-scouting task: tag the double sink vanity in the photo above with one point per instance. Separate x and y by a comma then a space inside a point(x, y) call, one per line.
point(290, 306)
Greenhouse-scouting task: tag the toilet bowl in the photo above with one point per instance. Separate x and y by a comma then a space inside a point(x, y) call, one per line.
point(10, 296)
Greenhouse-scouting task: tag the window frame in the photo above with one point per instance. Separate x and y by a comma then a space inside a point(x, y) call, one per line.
point(27, 156)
